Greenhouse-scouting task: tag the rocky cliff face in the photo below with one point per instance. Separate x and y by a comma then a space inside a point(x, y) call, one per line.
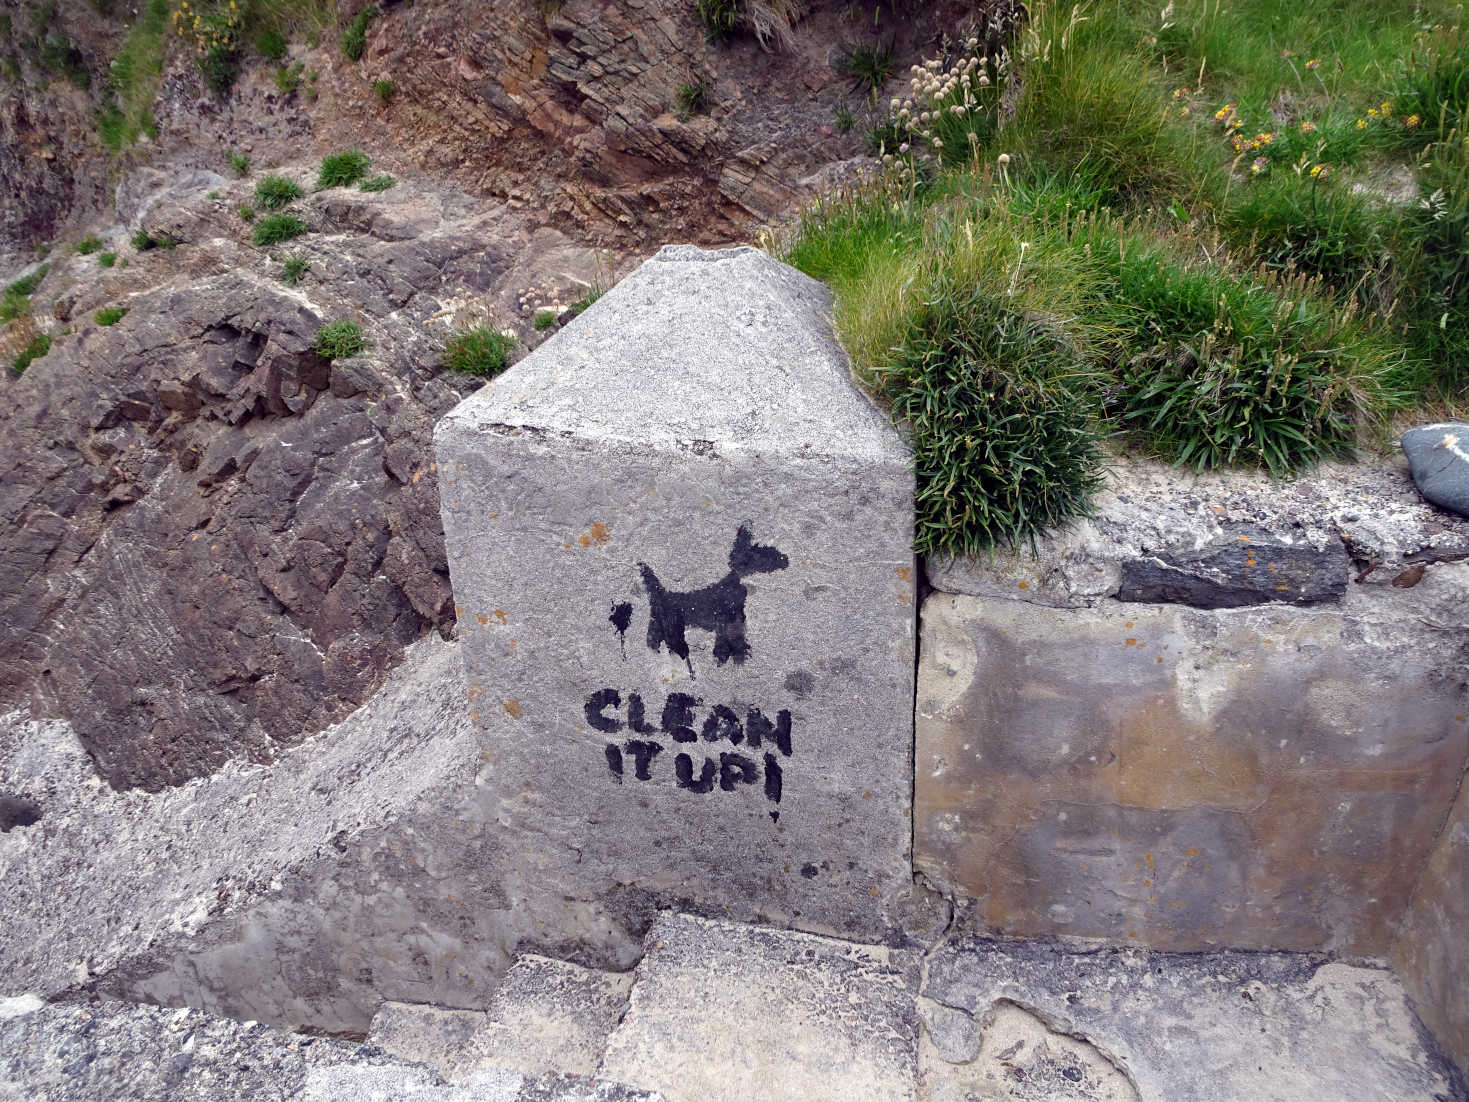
point(214, 541)
point(565, 111)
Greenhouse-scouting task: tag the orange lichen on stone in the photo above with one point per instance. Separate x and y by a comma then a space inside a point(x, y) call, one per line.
point(513, 709)
point(500, 615)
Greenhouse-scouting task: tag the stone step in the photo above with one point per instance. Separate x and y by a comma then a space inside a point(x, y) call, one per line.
point(548, 1016)
point(1026, 1021)
point(433, 1035)
point(722, 1012)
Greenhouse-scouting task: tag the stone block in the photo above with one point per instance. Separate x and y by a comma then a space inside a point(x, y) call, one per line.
point(548, 1015)
point(1430, 952)
point(728, 1013)
point(1266, 777)
point(422, 1034)
point(680, 543)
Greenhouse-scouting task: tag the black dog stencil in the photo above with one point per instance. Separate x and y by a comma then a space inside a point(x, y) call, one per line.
point(719, 608)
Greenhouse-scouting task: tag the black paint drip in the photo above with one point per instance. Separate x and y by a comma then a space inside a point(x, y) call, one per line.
point(621, 618)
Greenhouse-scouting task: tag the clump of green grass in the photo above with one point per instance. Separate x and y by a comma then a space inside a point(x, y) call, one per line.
point(88, 245)
point(478, 351)
point(109, 315)
point(294, 268)
point(544, 319)
point(240, 164)
point(720, 17)
point(381, 182)
point(142, 241)
point(276, 192)
point(846, 122)
point(275, 228)
point(691, 98)
point(384, 90)
point(354, 35)
point(17, 298)
point(107, 259)
point(340, 340)
point(288, 77)
point(868, 65)
point(134, 77)
point(247, 212)
point(34, 349)
point(270, 43)
point(343, 169)
point(583, 303)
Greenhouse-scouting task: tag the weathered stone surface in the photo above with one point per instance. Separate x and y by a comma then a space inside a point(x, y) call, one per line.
point(422, 1034)
point(1430, 952)
point(1439, 456)
point(1247, 1027)
point(548, 1015)
point(681, 543)
point(1020, 1059)
point(1266, 777)
point(301, 893)
point(723, 1013)
point(1239, 568)
point(123, 1052)
point(1166, 534)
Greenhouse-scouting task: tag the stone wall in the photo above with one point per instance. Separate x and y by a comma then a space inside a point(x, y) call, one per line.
point(1430, 954)
point(1225, 713)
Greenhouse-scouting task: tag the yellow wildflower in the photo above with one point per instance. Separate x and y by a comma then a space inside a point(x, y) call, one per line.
point(1361, 124)
point(1308, 127)
point(1412, 121)
point(1224, 112)
point(1314, 63)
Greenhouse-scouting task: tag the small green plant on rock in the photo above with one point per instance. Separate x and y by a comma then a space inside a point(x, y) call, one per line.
point(288, 78)
point(868, 64)
point(720, 17)
point(142, 241)
point(480, 351)
point(107, 259)
point(384, 90)
point(294, 268)
point(275, 228)
point(240, 163)
point(377, 183)
point(354, 34)
point(544, 320)
point(343, 169)
point(35, 348)
point(339, 340)
point(17, 299)
point(247, 212)
point(109, 315)
point(691, 98)
point(275, 192)
point(88, 245)
point(271, 44)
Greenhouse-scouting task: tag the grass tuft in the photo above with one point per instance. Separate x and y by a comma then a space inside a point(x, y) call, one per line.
point(340, 340)
point(342, 169)
point(34, 349)
point(479, 351)
point(88, 245)
point(294, 268)
point(354, 35)
point(275, 228)
point(691, 98)
point(109, 315)
point(384, 90)
point(276, 192)
point(381, 182)
point(107, 259)
point(240, 164)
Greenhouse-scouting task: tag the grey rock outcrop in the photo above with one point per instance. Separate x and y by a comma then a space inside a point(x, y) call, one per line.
point(1439, 456)
point(213, 541)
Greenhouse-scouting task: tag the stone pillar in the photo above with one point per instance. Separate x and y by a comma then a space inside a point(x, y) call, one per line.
point(680, 542)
